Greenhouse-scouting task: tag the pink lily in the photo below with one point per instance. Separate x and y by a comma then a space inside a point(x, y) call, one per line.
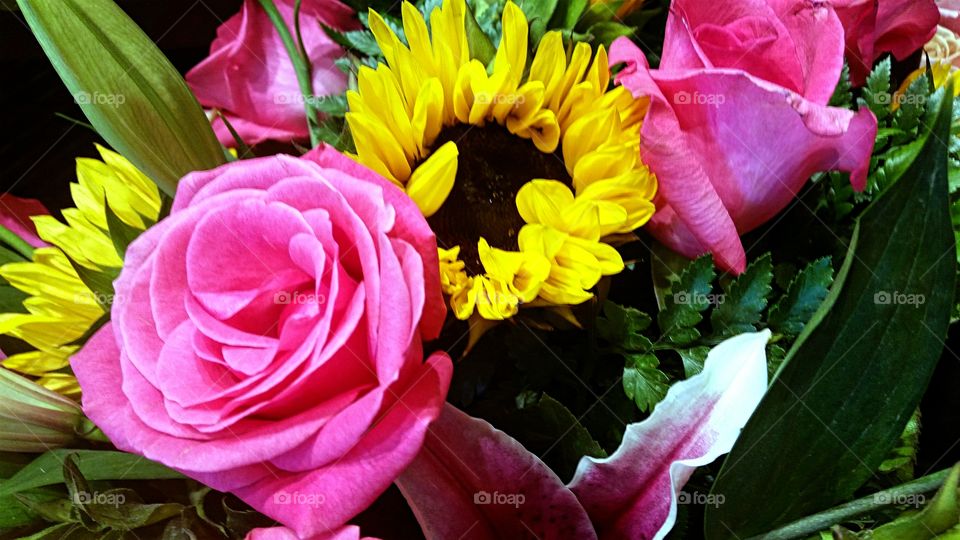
point(472, 481)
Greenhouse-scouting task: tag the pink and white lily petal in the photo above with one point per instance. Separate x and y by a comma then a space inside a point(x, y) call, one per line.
point(472, 481)
point(633, 493)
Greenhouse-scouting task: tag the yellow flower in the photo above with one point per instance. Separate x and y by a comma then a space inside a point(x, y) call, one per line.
point(61, 309)
point(520, 176)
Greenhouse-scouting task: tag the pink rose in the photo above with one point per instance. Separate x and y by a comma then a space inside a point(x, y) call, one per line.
point(737, 120)
point(875, 27)
point(266, 338)
point(250, 78)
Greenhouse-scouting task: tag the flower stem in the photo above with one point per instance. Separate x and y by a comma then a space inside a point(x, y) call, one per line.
point(300, 65)
point(824, 520)
point(18, 244)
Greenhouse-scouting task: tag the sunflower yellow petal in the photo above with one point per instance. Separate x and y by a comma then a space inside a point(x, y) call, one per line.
point(432, 181)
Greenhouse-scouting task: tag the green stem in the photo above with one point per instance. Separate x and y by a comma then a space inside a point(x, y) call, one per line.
point(300, 65)
point(18, 244)
point(824, 520)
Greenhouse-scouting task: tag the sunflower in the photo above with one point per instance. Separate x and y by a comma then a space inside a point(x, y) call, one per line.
point(61, 309)
point(522, 173)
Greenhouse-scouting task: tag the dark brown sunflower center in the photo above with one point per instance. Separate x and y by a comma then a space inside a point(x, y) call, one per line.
point(492, 167)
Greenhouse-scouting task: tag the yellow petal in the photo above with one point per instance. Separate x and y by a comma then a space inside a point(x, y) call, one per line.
point(432, 181)
point(544, 201)
point(512, 52)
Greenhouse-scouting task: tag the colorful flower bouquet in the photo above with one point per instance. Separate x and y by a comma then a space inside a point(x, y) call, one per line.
point(493, 268)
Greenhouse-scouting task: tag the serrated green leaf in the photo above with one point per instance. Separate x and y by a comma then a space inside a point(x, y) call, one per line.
point(843, 395)
point(130, 92)
point(360, 42)
point(803, 297)
point(913, 103)
point(688, 297)
point(693, 360)
point(876, 93)
point(93, 464)
point(643, 381)
point(623, 327)
point(744, 300)
point(843, 94)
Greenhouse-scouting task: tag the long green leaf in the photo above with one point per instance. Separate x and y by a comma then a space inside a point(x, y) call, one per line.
point(129, 91)
point(94, 465)
point(857, 372)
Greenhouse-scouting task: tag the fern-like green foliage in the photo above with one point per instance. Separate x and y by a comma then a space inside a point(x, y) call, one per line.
point(699, 313)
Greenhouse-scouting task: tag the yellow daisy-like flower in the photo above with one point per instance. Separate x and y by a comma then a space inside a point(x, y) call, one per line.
point(520, 176)
point(61, 309)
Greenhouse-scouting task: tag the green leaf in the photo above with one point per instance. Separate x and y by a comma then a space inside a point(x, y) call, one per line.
point(744, 299)
point(693, 360)
point(843, 94)
point(605, 33)
point(941, 514)
point(539, 13)
point(623, 327)
point(126, 87)
point(15, 513)
point(689, 296)
point(100, 282)
point(913, 104)
point(876, 93)
point(122, 509)
point(643, 381)
point(11, 299)
point(361, 42)
point(93, 465)
point(568, 14)
point(120, 233)
point(804, 295)
point(481, 47)
point(900, 461)
point(550, 429)
point(857, 372)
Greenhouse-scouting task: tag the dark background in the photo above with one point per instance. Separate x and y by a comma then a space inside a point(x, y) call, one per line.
point(38, 149)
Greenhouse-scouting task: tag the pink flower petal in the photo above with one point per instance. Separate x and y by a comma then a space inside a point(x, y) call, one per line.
point(474, 481)
point(249, 76)
point(15, 214)
point(633, 493)
point(730, 151)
